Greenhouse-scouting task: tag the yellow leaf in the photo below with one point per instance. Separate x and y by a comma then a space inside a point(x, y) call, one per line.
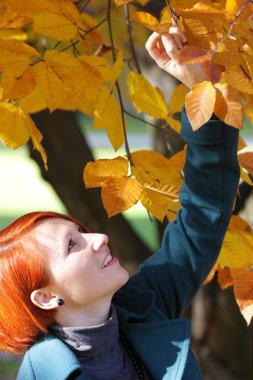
point(199, 104)
point(30, 7)
point(33, 102)
point(117, 68)
point(100, 64)
point(17, 81)
point(156, 166)
point(64, 66)
point(238, 81)
point(200, 10)
point(106, 107)
point(96, 173)
point(67, 9)
point(157, 203)
point(228, 105)
point(145, 97)
point(54, 26)
point(15, 52)
point(119, 194)
point(10, 34)
point(36, 137)
point(175, 106)
point(237, 249)
point(150, 22)
point(14, 128)
point(51, 86)
point(249, 61)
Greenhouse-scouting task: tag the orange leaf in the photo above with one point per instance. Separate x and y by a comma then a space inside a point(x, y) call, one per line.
point(119, 194)
point(211, 274)
point(96, 173)
point(225, 278)
point(243, 289)
point(150, 22)
point(228, 105)
point(193, 54)
point(238, 81)
point(121, 2)
point(200, 103)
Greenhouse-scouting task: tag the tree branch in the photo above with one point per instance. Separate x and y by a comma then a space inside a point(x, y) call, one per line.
point(130, 37)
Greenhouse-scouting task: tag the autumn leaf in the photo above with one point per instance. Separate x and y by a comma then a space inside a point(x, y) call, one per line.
point(237, 247)
point(193, 54)
point(33, 102)
point(145, 97)
point(106, 107)
point(199, 104)
point(225, 278)
point(228, 105)
point(16, 127)
point(150, 22)
point(54, 26)
point(176, 103)
point(119, 194)
point(96, 173)
point(243, 289)
point(238, 81)
point(15, 52)
point(17, 81)
point(51, 86)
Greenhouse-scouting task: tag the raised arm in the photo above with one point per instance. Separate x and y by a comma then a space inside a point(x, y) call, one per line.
point(192, 242)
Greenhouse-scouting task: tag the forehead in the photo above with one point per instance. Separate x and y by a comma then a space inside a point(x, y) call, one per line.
point(50, 231)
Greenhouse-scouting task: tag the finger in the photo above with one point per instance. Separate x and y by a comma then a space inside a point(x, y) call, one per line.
point(152, 45)
point(169, 45)
point(176, 31)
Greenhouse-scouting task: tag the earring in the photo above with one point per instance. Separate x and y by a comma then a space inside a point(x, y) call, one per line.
point(60, 302)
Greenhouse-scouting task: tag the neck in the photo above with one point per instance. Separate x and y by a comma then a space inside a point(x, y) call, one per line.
point(79, 317)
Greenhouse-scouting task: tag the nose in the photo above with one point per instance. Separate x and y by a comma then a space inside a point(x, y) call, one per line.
point(99, 241)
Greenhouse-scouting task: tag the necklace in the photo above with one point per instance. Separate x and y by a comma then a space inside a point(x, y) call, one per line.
point(132, 356)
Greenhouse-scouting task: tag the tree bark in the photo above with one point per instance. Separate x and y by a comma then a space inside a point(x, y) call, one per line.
point(67, 153)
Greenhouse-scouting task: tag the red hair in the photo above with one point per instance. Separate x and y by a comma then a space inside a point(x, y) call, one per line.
point(22, 270)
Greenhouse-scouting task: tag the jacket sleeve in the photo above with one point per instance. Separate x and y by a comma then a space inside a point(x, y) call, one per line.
point(26, 370)
point(191, 243)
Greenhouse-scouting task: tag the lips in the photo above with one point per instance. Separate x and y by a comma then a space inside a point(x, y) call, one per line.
point(107, 260)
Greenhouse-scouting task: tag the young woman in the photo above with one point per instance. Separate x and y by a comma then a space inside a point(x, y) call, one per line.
point(63, 295)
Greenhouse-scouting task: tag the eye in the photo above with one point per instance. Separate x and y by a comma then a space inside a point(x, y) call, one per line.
point(71, 245)
point(81, 229)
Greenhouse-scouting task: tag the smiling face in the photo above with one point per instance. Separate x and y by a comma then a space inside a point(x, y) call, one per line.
point(82, 271)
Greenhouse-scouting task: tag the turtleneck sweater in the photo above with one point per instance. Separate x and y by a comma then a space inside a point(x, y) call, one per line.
point(99, 350)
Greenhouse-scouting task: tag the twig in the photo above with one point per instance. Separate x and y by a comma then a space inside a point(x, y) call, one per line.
point(73, 44)
point(86, 32)
point(117, 83)
point(172, 12)
point(84, 6)
point(130, 37)
point(146, 122)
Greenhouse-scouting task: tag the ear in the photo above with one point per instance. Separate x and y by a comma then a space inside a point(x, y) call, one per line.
point(43, 299)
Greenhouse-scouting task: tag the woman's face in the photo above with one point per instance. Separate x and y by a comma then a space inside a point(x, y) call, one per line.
point(80, 263)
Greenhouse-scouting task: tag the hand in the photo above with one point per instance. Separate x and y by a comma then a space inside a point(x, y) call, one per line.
point(164, 50)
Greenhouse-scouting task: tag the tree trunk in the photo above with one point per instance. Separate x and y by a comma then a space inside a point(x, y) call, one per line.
point(67, 153)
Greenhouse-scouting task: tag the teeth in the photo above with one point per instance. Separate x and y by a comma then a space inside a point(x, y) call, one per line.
point(106, 262)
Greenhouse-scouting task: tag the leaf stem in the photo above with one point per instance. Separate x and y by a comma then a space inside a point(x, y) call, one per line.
point(117, 83)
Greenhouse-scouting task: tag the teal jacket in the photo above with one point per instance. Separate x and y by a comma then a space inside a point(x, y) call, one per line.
point(150, 305)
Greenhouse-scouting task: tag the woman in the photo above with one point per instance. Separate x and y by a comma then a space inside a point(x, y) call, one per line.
point(65, 297)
